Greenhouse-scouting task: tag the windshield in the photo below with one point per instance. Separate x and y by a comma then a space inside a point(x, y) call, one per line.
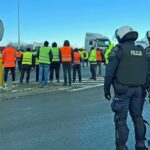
point(103, 43)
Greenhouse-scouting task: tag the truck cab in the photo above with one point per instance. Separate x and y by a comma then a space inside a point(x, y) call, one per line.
point(97, 41)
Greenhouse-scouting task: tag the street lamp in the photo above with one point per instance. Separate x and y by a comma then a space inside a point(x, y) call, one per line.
point(18, 24)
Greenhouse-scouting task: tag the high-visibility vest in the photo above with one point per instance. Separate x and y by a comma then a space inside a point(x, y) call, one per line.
point(55, 52)
point(9, 57)
point(44, 55)
point(107, 52)
point(66, 52)
point(77, 58)
point(93, 56)
point(86, 55)
point(82, 54)
point(99, 55)
point(27, 58)
point(36, 61)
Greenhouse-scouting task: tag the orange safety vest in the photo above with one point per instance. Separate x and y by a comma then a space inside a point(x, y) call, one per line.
point(77, 58)
point(19, 54)
point(99, 56)
point(9, 57)
point(66, 52)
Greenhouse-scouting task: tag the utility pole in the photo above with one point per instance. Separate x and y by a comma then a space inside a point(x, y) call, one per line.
point(18, 24)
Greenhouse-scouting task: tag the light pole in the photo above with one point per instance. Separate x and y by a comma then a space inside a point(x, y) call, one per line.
point(18, 24)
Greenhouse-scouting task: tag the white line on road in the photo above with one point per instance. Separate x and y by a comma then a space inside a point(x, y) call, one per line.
point(83, 88)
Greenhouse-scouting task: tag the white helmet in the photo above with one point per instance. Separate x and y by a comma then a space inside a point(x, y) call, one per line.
point(126, 33)
point(148, 35)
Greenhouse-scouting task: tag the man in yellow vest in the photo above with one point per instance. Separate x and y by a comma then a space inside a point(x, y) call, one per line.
point(93, 63)
point(26, 64)
point(44, 63)
point(86, 56)
point(55, 57)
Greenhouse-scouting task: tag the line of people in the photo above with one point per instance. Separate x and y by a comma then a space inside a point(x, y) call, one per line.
point(49, 59)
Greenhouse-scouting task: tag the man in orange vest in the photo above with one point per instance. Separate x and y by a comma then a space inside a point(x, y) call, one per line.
point(19, 55)
point(9, 61)
point(67, 59)
point(77, 65)
point(99, 59)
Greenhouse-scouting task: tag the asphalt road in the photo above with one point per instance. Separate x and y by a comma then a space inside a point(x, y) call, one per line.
point(66, 120)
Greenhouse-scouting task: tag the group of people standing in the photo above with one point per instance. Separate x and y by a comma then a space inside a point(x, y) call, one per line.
point(49, 59)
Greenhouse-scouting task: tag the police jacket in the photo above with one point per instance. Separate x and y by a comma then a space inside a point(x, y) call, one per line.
point(147, 49)
point(127, 67)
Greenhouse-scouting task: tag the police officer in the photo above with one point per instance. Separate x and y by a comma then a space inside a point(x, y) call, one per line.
point(148, 58)
point(148, 80)
point(127, 77)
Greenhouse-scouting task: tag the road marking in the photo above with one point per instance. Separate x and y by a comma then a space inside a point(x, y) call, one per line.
point(83, 88)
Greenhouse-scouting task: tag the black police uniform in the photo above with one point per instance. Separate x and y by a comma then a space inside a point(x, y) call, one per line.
point(126, 71)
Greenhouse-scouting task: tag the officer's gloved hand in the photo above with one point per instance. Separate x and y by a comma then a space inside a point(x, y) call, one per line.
point(108, 96)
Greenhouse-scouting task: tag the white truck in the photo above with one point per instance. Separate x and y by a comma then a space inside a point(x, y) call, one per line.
point(97, 41)
point(1, 30)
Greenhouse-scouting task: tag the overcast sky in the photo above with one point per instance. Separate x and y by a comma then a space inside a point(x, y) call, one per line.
point(58, 20)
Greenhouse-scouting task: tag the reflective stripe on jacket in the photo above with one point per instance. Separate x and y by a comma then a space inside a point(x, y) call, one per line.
point(99, 55)
point(77, 58)
point(66, 53)
point(44, 55)
point(55, 52)
point(27, 58)
point(9, 57)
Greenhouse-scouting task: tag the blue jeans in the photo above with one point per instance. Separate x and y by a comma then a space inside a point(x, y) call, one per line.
point(43, 68)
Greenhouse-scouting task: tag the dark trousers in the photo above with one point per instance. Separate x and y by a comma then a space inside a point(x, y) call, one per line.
point(25, 69)
point(99, 67)
point(19, 64)
point(86, 61)
point(67, 69)
point(131, 101)
point(6, 70)
point(76, 68)
point(37, 73)
point(55, 66)
point(93, 71)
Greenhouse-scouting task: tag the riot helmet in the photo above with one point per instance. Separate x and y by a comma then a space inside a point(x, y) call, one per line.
point(126, 33)
point(148, 35)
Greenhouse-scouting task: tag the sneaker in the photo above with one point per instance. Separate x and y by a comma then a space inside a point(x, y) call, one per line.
point(13, 82)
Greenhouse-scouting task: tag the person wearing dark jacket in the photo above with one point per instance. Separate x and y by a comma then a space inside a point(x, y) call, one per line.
point(26, 64)
point(127, 71)
point(67, 60)
point(76, 65)
point(55, 58)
